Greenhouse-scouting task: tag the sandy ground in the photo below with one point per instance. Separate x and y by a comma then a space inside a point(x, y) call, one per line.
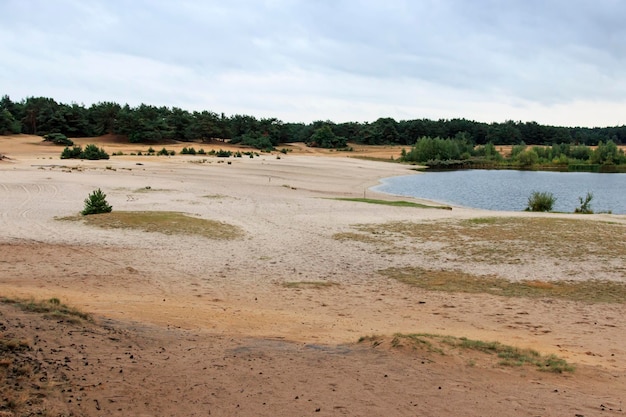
point(191, 326)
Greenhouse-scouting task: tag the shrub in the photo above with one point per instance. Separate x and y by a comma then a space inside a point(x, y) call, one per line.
point(223, 154)
point(585, 204)
point(540, 201)
point(71, 153)
point(96, 203)
point(188, 151)
point(58, 139)
point(163, 152)
point(92, 152)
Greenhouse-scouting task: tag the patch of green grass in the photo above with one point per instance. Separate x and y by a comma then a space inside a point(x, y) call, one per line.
point(594, 291)
point(309, 284)
point(166, 222)
point(393, 203)
point(51, 308)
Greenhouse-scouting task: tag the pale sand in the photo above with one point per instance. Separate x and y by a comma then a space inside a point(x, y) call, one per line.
point(218, 294)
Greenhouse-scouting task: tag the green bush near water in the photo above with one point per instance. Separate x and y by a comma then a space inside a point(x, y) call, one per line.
point(540, 201)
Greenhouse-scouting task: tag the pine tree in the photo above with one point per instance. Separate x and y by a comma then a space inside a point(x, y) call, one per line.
point(96, 203)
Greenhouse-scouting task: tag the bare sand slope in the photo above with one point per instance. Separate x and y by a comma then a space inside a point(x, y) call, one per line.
point(188, 325)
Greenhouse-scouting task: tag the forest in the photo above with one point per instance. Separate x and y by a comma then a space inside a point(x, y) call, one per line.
point(149, 124)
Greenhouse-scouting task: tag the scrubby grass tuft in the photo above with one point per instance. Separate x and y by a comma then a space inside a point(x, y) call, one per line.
point(540, 201)
point(507, 355)
point(51, 308)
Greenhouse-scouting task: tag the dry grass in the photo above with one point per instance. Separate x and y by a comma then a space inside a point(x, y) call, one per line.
point(399, 203)
point(166, 222)
point(498, 353)
point(310, 284)
point(594, 291)
point(51, 308)
point(499, 241)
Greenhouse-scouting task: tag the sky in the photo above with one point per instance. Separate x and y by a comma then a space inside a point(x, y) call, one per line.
point(556, 62)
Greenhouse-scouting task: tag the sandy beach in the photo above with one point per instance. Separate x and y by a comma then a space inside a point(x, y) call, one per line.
point(191, 326)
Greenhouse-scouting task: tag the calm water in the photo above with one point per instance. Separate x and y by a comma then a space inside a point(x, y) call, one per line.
point(509, 190)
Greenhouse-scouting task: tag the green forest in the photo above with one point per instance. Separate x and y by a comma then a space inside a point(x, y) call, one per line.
point(150, 124)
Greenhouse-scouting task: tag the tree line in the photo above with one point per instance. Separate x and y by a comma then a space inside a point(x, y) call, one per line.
point(454, 153)
point(151, 124)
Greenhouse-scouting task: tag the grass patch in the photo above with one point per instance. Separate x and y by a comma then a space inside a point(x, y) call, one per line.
point(506, 355)
point(504, 240)
point(393, 203)
point(512, 356)
point(309, 284)
point(12, 345)
point(52, 308)
point(166, 222)
point(594, 291)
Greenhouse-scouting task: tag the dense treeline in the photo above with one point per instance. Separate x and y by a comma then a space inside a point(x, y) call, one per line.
point(150, 124)
point(460, 153)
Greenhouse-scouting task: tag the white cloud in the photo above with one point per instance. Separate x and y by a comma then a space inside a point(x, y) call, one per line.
point(556, 62)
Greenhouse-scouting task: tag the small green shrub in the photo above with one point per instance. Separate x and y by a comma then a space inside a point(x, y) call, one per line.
point(163, 152)
point(71, 153)
point(58, 139)
point(585, 204)
point(223, 154)
point(540, 201)
point(91, 152)
point(188, 151)
point(96, 203)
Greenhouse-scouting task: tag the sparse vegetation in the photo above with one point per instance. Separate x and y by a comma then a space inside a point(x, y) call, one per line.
point(502, 240)
point(309, 284)
point(506, 355)
point(51, 308)
point(166, 222)
point(393, 203)
point(594, 291)
point(585, 204)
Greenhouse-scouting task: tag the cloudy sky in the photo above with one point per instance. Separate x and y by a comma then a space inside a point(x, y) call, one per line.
point(559, 62)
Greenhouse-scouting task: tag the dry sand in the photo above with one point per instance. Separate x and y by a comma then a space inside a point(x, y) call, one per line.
point(191, 326)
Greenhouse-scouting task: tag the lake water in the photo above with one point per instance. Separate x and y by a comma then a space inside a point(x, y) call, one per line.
point(509, 190)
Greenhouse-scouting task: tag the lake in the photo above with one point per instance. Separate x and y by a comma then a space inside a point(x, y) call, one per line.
point(509, 190)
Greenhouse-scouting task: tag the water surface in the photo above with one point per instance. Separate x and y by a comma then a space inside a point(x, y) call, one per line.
point(509, 190)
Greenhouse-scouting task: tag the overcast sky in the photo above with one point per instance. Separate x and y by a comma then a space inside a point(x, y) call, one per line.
point(559, 62)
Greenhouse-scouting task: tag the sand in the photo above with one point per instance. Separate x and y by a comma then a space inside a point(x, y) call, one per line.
point(192, 326)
